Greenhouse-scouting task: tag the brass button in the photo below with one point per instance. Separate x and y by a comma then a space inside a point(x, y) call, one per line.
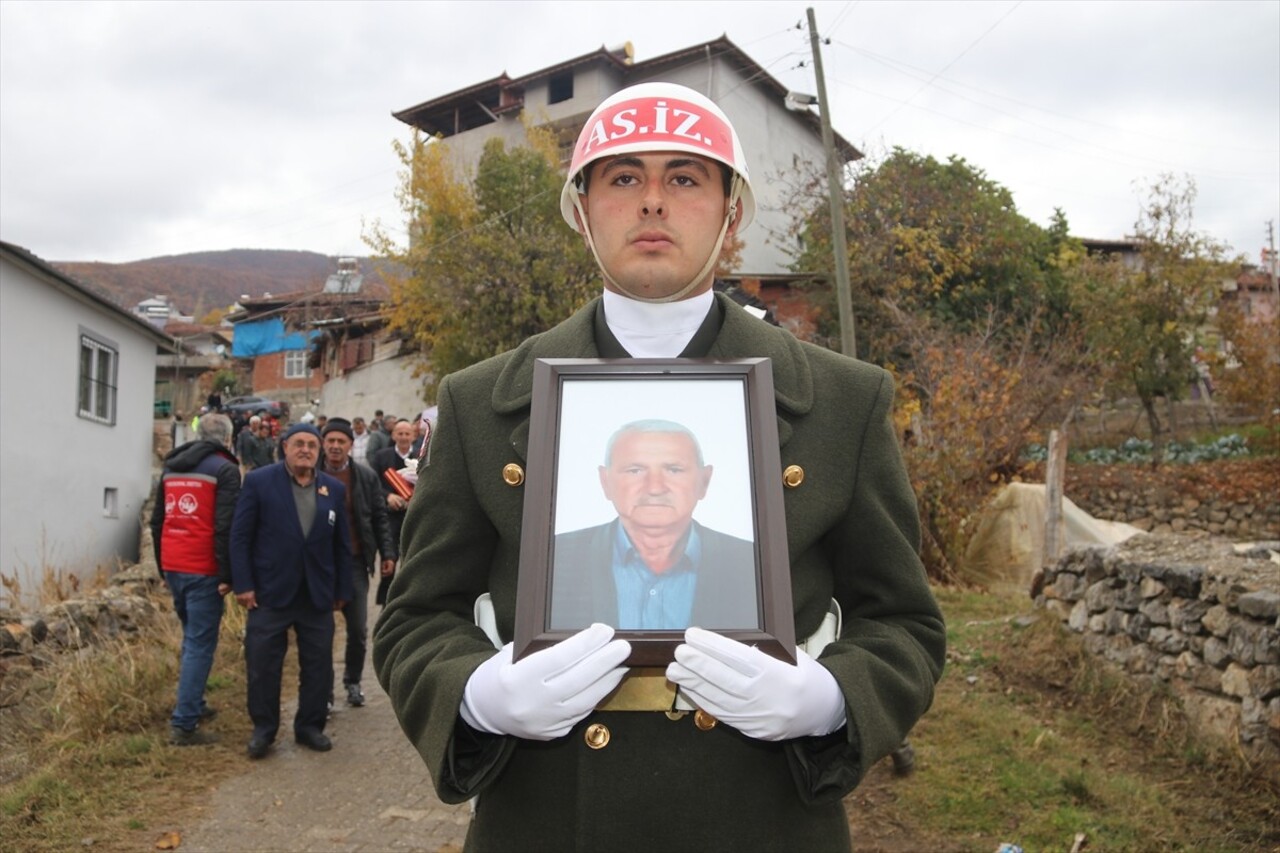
point(597, 736)
point(512, 474)
point(792, 476)
point(676, 715)
point(704, 721)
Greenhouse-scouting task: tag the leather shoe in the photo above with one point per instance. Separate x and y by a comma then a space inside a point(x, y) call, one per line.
point(193, 737)
point(318, 741)
point(258, 747)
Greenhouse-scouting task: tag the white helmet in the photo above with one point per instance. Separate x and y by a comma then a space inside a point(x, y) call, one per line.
point(659, 117)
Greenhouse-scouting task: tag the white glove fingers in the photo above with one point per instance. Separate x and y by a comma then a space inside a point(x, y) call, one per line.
point(566, 654)
point(584, 701)
point(737, 656)
point(714, 671)
point(704, 694)
point(589, 669)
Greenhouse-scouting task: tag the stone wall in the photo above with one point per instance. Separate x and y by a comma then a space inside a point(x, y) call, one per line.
point(30, 640)
point(1195, 612)
point(1234, 498)
point(1244, 518)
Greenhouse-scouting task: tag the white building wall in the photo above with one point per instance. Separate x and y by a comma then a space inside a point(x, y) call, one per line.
point(55, 465)
point(777, 142)
point(388, 385)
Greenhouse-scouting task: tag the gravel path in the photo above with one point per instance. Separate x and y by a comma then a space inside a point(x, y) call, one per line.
point(370, 793)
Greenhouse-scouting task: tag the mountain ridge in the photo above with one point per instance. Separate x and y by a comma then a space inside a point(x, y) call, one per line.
point(199, 282)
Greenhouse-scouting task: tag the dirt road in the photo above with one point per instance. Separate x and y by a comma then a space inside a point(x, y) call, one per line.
point(370, 793)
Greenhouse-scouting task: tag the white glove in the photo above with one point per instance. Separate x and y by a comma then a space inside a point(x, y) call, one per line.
point(758, 695)
point(545, 694)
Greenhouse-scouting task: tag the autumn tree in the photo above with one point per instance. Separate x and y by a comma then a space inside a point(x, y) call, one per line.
point(966, 406)
point(1144, 319)
point(489, 260)
point(938, 238)
point(966, 300)
point(1248, 372)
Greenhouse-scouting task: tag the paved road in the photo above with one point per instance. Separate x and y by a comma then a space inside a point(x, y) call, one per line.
point(371, 793)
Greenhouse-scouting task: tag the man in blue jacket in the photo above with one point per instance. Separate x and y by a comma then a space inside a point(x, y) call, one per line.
point(291, 568)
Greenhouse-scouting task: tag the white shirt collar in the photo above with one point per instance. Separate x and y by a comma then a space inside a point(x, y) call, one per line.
point(655, 330)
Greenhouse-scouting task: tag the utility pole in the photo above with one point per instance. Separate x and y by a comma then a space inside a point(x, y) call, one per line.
point(1271, 266)
point(835, 191)
point(306, 347)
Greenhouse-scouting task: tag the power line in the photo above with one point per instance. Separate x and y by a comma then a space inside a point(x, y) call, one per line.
point(897, 65)
point(946, 67)
point(1133, 162)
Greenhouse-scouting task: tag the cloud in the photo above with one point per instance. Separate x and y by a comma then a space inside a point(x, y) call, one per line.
point(136, 129)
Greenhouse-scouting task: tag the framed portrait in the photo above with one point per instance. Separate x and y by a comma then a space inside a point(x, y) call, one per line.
point(653, 502)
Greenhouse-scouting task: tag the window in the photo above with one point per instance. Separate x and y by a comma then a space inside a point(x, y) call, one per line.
point(560, 87)
point(110, 502)
point(295, 364)
point(356, 353)
point(98, 365)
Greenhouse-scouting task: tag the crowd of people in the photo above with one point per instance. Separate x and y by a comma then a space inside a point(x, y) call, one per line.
point(293, 520)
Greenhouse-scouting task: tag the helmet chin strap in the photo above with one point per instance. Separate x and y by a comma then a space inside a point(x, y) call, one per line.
point(735, 193)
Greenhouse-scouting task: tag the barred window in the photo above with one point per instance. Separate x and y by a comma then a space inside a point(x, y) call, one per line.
point(98, 367)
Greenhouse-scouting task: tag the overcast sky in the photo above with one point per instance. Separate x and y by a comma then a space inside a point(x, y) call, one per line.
point(134, 130)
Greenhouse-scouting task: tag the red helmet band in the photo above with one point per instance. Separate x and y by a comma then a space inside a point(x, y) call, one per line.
point(659, 123)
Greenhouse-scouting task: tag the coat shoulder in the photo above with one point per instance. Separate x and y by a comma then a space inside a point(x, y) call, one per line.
point(828, 364)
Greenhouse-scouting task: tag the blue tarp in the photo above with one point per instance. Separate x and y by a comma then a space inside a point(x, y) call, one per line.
point(261, 337)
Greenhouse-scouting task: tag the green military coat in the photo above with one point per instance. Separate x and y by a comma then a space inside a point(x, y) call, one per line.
point(662, 784)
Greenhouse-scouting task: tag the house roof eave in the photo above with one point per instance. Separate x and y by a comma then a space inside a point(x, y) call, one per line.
point(82, 292)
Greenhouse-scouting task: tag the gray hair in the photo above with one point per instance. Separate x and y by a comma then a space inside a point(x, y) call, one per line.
point(652, 425)
point(215, 428)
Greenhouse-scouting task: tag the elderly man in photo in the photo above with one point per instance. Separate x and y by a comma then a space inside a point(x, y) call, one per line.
point(657, 182)
point(653, 567)
point(291, 568)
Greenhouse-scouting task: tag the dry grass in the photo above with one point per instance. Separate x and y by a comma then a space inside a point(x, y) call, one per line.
point(86, 753)
point(1031, 741)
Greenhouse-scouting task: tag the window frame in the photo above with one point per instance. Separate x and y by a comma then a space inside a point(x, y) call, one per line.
point(292, 359)
point(97, 396)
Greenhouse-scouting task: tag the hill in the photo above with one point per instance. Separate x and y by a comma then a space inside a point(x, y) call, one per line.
point(202, 281)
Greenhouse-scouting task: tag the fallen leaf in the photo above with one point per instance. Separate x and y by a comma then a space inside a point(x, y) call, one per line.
point(169, 841)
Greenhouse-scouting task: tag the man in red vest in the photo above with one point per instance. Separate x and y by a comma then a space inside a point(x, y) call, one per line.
point(191, 530)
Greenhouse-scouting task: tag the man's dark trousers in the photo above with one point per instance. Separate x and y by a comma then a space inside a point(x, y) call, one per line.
point(265, 643)
point(356, 614)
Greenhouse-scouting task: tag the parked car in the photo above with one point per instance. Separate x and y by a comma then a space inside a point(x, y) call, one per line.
point(252, 405)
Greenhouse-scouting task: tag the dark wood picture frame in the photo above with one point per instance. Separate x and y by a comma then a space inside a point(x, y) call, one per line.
point(774, 631)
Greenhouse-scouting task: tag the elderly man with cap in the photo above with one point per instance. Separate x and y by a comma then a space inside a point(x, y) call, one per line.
point(657, 182)
point(291, 568)
point(366, 511)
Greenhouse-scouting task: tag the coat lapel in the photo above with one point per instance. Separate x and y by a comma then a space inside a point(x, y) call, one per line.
point(741, 336)
point(513, 391)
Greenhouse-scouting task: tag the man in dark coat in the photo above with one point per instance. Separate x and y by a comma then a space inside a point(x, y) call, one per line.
point(191, 532)
point(387, 463)
point(291, 568)
point(653, 567)
point(775, 746)
point(371, 533)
